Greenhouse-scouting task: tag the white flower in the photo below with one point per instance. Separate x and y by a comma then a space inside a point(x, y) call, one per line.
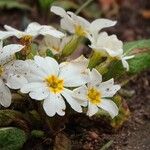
point(124, 59)
point(5, 34)
point(34, 29)
point(6, 55)
point(54, 44)
point(107, 43)
point(97, 94)
point(110, 45)
point(78, 25)
point(49, 81)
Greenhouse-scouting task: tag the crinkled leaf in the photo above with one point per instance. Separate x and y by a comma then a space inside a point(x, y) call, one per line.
point(130, 46)
point(12, 138)
point(139, 63)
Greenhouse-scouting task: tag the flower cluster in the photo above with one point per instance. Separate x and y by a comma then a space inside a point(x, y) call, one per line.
point(54, 80)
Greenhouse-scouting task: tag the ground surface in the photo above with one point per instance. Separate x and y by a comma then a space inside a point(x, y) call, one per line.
point(134, 134)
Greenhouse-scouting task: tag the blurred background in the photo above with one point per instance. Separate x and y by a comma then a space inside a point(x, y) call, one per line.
point(133, 16)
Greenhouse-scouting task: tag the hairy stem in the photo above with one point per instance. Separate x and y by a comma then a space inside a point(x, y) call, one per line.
point(83, 6)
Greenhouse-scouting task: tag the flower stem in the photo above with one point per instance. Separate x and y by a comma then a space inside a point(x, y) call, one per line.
point(94, 60)
point(83, 6)
point(103, 67)
point(71, 46)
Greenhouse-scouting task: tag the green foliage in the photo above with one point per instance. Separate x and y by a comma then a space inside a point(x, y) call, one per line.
point(8, 116)
point(37, 133)
point(33, 51)
point(130, 46)
point(10, 4)
point(71, 46)
point(141, 61)
point(66, 4)
point(49, 53)
point(12, 138)
point(45, 4)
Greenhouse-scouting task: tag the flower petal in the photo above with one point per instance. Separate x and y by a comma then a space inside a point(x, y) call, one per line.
point(80, 93)
point(53, 104)
point(48, 30)
point(109, 106)
point(74, 73)
point(72, 101)
point(33, 29)
point(7, 52)
point(58, 11)
point(99, 24)
point(67, 24)
point(5, 95)
point(108, 88)
point(95, 77)
point(5, 34)
point(15, 81)
point(14, 31)
point(47, 64)
point(39, 94)
point(92, 109)
point(32, 87)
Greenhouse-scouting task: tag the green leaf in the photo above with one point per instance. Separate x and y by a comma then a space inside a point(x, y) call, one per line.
point(66, 4)
point(129, 46)
point(141, 61)
point(10, 4)
point(33, 51)
point(49, 53)
point(45, 4)
point(12, 138)
point(8, 117)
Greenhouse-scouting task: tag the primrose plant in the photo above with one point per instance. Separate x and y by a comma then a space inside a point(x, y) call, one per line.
point(40, 69)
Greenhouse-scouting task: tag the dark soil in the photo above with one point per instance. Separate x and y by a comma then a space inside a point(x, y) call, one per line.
point(85, 134)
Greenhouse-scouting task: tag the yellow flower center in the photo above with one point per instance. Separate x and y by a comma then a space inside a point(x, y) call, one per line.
point(55, 84)
point(94, 96)
point(26, 40)
point(79, 30)
point(1, 70)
